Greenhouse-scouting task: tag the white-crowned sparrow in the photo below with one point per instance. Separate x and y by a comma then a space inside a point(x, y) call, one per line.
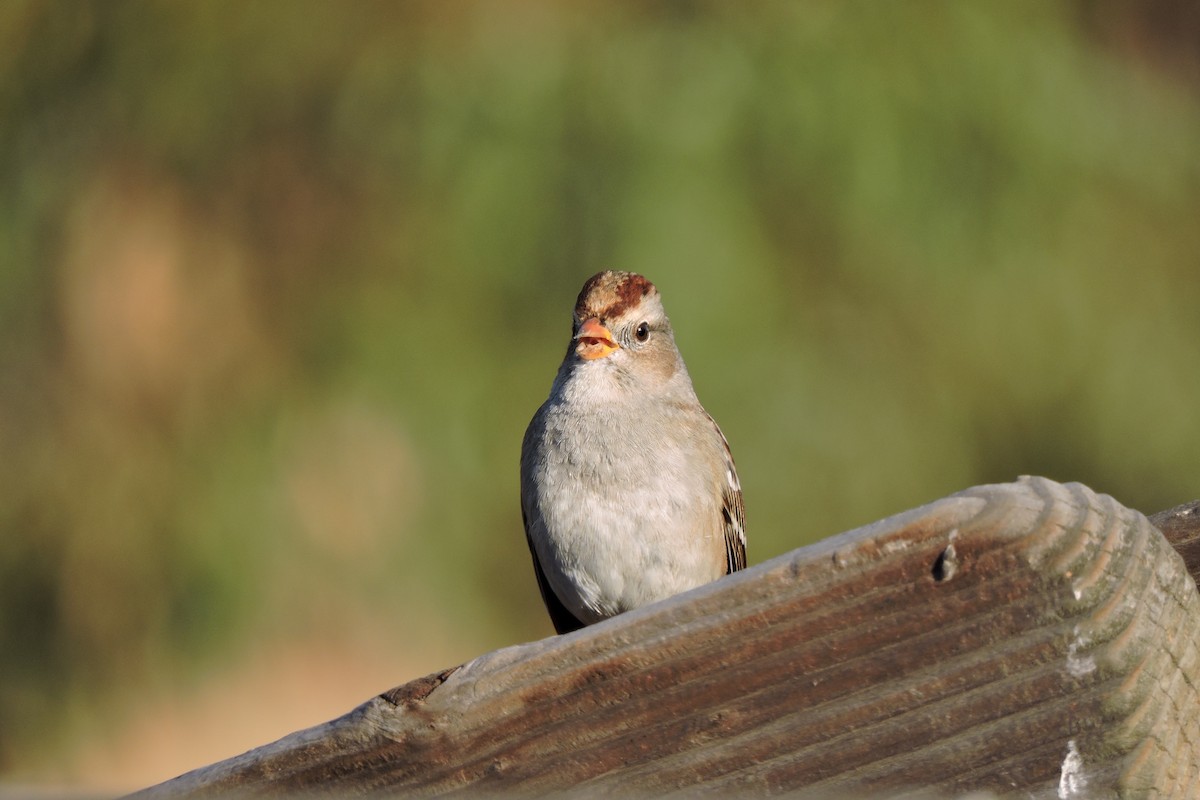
point(628, 489)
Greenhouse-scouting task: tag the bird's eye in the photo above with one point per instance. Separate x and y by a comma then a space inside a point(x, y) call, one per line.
point(642, 332)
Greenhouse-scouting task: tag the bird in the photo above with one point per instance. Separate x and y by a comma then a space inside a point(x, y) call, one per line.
point(629, 493)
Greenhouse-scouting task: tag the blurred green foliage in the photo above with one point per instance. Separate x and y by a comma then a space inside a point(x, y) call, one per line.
point(282, 283)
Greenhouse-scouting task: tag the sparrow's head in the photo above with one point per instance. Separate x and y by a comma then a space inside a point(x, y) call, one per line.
point(619, 316)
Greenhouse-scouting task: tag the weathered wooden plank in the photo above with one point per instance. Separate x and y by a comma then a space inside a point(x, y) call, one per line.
point(1181, 526)
point(1030, 636)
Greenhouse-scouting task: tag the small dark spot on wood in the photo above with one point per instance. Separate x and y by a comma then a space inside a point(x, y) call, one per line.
point(794, 571)
point(946, 564)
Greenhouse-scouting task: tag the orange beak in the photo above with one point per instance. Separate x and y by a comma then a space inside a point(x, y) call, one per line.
point(594, 340)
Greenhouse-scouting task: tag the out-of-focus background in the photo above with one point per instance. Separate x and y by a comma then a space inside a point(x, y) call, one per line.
point(282, 283)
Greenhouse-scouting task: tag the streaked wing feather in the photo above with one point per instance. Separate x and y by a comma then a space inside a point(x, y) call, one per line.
point(733, 513)
point(733, 509)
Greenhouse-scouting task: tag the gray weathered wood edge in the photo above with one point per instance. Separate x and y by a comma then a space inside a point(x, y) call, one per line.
point(1181, 526)
point(1032, 637)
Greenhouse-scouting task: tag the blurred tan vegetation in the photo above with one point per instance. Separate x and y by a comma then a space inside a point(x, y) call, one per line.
point(282, 283)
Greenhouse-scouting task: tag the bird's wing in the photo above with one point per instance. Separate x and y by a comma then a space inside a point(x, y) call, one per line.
point(733, 514)
point(564, 621)
point(733, 510)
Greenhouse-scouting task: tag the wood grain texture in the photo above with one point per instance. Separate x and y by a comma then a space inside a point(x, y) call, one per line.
point(1031, 637)
point(1181, 526)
